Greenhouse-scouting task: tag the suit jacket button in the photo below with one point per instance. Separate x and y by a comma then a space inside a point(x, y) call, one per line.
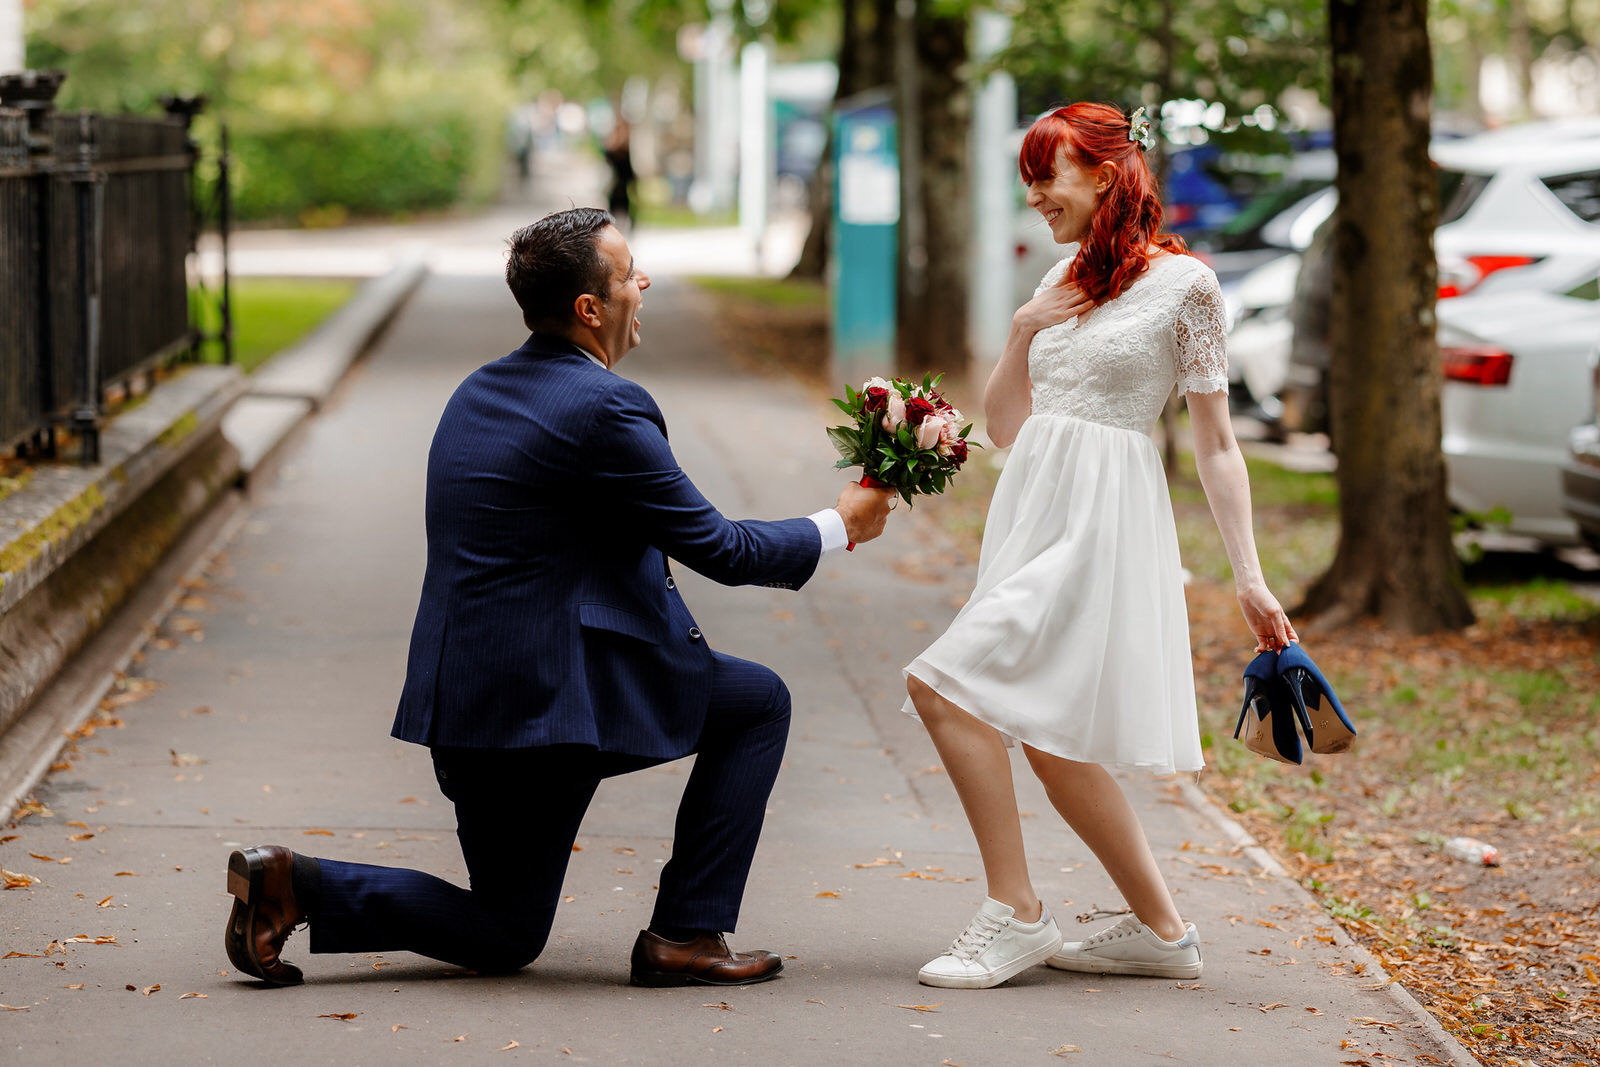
point(694, 633)
point(671, 582)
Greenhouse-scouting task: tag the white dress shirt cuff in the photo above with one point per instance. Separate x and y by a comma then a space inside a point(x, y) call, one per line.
point(830, 524)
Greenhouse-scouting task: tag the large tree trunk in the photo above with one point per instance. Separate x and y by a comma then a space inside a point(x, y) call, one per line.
point(936, 205)
point(1395, 559)
point(864, 58)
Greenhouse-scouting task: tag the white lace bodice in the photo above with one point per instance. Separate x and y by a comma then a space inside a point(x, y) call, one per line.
point(1118, 366)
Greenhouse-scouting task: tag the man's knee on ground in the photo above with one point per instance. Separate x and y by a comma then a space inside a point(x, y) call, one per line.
point(517, 947)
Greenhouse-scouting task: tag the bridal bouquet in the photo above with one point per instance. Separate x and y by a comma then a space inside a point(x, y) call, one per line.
point(903, 436)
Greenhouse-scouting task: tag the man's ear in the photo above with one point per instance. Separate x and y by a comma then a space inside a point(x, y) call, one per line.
point(587, 308)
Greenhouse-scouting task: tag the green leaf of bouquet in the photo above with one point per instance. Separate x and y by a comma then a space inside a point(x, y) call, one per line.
point(964, 431)
point(846, 441)
point(842, 406)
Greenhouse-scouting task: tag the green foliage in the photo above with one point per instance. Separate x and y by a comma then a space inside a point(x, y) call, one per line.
point(1241, 54)
point(287, 171)
point(362, 106)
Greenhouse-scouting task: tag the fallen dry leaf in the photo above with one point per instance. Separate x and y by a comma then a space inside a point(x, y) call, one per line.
point(721, 1005)
point(78, 986)
point(716, 1029)
point(125, 874)
point(463, 1037)
point(42, 858)
point(508, 1047)
point(1065, 1050)
point(397, 1027)
point(826, 893)
point(317, 833)
point(192, 996)
point(85, 939)
point(184, 759)
point(32, 807)
point(1272, 1006)
point(934, 1007)
point(342, 1016)
point(79, 837)
point(11, 1007)
point(106, 903)
point(13, 880)
point(147, 990)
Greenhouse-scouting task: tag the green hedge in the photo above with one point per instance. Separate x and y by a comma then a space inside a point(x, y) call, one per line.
point(303, 171)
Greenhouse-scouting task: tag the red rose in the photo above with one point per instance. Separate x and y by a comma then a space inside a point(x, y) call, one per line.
point(917, 409)
point(958, 450)
point(877, 398)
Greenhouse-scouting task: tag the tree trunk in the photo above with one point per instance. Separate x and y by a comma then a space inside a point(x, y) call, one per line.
point(864, 58)
point(936, 210)
point(1395, 558)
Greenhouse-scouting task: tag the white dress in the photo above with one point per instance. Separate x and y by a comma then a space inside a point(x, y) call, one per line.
point(1076, 638)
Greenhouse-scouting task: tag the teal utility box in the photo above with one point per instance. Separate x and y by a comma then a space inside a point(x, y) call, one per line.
point(866, 220)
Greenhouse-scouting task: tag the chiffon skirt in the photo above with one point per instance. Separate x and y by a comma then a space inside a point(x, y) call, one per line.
point(1076, 638)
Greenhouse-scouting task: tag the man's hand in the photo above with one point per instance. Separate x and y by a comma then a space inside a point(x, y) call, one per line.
point(864, 511)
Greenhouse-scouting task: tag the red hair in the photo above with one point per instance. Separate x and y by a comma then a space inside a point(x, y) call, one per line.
point(1127, 220)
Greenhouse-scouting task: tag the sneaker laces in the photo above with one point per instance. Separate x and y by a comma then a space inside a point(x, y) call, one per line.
point(979, 935)
point(1127, 926)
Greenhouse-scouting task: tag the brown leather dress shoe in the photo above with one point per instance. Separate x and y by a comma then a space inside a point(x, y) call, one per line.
point(264, 913)
point(706, 960)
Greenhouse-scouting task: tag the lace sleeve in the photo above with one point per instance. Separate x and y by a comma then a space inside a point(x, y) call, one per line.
point(1202, 331)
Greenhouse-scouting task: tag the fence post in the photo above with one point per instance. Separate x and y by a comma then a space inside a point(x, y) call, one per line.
point(89, 193)
point(224, 226)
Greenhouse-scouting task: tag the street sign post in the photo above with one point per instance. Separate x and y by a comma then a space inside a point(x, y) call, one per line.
point(866, 217)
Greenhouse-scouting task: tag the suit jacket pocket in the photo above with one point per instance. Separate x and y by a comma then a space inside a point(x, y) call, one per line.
point(617, 620)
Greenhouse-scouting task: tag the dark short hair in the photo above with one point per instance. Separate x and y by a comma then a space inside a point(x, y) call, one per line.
point(554, 261)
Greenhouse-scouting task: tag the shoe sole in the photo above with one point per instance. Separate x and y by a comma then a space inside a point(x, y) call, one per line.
point(674, 979)
point(989, 981)
point(1133, 967)
point(1332, 735)
point(246, 874)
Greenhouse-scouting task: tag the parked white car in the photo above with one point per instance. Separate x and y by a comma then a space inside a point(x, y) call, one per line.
point(1517, 380)
point(1581, 478)
point(1519, 210)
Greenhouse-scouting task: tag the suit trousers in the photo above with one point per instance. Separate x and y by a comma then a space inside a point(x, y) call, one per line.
point(517, 815)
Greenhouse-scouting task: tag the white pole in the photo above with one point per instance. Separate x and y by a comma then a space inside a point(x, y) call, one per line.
point(994, 173)
point(755, 156)
point(12, 53)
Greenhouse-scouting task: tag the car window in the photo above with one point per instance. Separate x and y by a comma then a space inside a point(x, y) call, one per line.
point(1458, 191)
point(1579, 192)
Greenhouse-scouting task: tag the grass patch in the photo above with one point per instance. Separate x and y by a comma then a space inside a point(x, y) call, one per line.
point(769, 292)
point(772, 325)
point(272, 314)
point(679, 217)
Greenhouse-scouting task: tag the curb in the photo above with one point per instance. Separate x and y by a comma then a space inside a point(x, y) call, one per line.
point(1454, 1051)
point(263, 416)
point(295, 383)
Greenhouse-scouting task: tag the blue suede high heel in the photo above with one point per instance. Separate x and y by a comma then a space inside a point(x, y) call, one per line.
point(1327, 727)
point(1268, 711)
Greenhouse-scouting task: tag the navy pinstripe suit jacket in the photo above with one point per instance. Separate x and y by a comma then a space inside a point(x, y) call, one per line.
point(549, 615)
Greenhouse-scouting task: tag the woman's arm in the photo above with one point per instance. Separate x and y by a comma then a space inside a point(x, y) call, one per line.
point(1227, 486)
point(1008, 398)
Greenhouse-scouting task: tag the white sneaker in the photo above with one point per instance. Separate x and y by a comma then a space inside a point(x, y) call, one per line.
point(1131, 947)
point(994, 947)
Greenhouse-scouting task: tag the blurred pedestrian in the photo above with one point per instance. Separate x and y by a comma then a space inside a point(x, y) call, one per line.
point(619, 156)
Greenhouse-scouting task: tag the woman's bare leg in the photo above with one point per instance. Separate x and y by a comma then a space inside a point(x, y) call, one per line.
point(975, 758)
point(1088, 797)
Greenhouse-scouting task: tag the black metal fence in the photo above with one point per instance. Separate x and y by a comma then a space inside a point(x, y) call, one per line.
point(98, 216)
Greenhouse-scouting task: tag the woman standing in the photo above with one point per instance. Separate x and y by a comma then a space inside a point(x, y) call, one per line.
point(1075, 641)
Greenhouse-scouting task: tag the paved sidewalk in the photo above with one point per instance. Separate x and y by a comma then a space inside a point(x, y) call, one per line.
point(278, 682)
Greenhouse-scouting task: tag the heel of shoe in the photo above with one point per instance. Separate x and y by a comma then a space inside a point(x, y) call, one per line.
point(244, 869)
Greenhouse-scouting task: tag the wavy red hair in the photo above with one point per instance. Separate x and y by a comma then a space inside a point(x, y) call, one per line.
point(1127, 220)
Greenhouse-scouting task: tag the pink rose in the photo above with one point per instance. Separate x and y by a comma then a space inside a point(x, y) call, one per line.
point(928, 433)
point(894, 416)
point(948, 436)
